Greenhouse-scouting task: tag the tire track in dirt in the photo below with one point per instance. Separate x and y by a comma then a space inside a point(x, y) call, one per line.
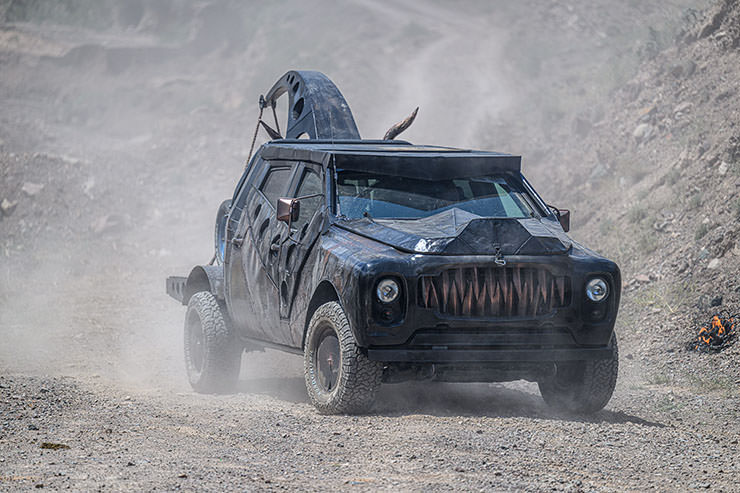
point(460, 50)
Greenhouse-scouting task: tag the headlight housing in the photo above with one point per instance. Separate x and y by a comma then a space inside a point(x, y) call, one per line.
point(597, 289)
point(387, 290)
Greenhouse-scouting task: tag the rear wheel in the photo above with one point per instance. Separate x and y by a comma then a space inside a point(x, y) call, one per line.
point(582, 386)
point(212, 355)
point(339, 377)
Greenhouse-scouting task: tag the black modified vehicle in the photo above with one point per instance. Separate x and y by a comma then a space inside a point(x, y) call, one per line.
point(382, 261)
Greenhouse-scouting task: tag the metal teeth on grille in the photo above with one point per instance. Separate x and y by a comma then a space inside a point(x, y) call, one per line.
point(494, 292)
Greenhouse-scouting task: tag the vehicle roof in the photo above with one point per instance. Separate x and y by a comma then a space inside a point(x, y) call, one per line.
point(396, 157)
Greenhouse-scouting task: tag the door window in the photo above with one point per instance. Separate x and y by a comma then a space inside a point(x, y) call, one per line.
point(274, 185)
point(240, 196)
point(310, 185)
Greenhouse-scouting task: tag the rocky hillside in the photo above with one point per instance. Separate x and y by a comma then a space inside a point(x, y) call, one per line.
point(654, 181)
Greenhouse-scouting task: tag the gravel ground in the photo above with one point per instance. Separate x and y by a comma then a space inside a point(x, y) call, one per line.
point(469, 437)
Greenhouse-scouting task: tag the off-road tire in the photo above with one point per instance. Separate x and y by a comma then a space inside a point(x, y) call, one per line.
point(358, 378)
point(212, 368)
point(582, 387)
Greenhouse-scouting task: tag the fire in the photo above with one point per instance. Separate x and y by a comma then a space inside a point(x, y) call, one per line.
point(718, 334)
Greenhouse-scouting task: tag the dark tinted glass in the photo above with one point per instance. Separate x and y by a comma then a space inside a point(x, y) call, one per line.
point(310, 184)
point(386, 196)
point(274, 185)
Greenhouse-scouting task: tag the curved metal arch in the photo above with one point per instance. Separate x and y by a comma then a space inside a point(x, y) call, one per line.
point(316, 107)
point(325, 291)
point(204, 278)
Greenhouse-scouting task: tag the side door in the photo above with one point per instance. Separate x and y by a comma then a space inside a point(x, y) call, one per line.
point(238, 297)
point(264, 240)
point(298, 242)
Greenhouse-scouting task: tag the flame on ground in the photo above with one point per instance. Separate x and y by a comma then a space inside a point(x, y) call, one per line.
point(715, 336)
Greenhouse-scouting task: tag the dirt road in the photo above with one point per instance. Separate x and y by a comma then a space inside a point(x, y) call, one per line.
point(472, 437)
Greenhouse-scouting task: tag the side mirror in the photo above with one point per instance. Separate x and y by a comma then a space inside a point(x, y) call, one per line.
point(564, 218)
point(288, 210)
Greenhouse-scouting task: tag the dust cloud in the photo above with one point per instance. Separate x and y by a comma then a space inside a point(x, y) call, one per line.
point(136, 117)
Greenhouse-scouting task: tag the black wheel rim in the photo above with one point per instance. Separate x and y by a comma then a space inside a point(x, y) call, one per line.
point(328, 360)
point(196, 343)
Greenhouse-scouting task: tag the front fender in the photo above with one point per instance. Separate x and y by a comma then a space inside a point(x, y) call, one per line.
point(349, 261)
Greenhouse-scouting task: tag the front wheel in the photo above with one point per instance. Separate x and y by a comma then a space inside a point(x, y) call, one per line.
point(340, 379)
point(582, 386)
point(212, 355)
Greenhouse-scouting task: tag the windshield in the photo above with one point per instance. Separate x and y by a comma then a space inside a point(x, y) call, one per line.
point(384, 196)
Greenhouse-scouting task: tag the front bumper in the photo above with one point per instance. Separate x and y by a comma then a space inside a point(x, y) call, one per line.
point(440, 355)
point(514, 343)
point(425, 335)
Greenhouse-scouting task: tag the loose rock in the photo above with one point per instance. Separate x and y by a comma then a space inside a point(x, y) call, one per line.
point(642, 132)
point(7, 207)
point(32, 189)
point(682, 108)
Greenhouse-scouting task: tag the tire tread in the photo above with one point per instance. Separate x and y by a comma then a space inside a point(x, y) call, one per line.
point(592, 393)
point(360, 377)
point(222, 356)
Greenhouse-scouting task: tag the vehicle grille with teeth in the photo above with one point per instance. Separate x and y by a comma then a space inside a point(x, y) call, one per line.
point(494, 292)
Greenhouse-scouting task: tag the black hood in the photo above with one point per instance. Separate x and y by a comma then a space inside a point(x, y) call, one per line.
point(457, 232)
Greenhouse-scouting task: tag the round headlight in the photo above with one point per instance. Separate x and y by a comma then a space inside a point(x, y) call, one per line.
point(597, 289)
point(388, 290)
